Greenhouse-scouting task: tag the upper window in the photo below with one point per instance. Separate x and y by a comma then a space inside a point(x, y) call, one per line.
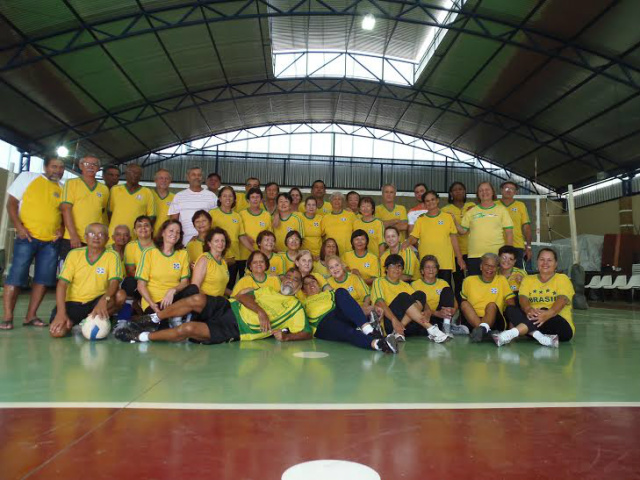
point(360, 46)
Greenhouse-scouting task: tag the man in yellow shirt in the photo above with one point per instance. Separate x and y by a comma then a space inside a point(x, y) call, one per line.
point(242, 200)
point(33, 205)
point(127, 202)
point(250, 316)
point(162, 197)
point(521, 222)
point(318, 191)
point(391, 214)
point(88, 284)
point(111, 176)
point(84, 201)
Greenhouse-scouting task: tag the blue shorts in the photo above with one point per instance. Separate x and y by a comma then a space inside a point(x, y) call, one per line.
point(24, 252)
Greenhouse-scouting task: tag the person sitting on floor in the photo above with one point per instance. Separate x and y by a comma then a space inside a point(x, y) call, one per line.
point(88, 284)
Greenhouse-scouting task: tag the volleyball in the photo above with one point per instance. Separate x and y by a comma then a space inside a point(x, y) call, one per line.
point(95, 327)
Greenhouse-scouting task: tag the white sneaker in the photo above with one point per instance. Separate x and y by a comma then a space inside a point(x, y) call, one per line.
point(399, 337)
point(436, 335)
point(500, 339)
point(550, 341)
point(459, 329)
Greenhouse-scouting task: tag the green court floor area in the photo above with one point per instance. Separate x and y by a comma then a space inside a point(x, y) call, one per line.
point(599, 365)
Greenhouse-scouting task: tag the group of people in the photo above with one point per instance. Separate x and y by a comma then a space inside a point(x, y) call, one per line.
point(212, 265)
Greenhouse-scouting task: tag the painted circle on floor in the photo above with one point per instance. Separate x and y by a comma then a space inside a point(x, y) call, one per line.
point(330, 470)
point(310, 354)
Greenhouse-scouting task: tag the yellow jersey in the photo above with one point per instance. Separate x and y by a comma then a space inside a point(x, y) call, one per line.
point(126, 206)
point(162, 205)
point(162, 272)
point(323, 209)
point(431, 290)
point(318, 267)
point(287, 260)
point(284, 311)
point(241, 202)
point(195, 248)
point(515, 279)
point(322, 282)
point(318, 306)
point(87, 280)
point(399, 212)
point(292, 222)
point(216, 277)
point(354, 285)
point(249, 281)
point(486, 226)
point(253, 225)
point(133, 253)
point(385, 290)
point(312, 233)
point(368, 265)
point(544, 294)
point(434, 238)
point(480, 293)
point(411, 263)
point(520, 217)
point(39, 200)
point(88, 204)
point(375, 231)
point(463, 241)
point(277, 265)
point(339, 226)
point(234, 226)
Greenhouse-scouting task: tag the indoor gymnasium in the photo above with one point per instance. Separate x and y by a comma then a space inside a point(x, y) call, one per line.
point(320, 240)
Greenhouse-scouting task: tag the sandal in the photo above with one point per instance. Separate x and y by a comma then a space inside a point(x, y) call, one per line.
point(34, 322)
point(6, 325)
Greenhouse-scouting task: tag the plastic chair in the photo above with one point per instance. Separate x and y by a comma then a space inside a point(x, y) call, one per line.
point(633, 284)
point(595, 282)
point(621, 281)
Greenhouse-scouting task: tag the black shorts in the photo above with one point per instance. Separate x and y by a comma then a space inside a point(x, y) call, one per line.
point(77, 311)
point(219, 317)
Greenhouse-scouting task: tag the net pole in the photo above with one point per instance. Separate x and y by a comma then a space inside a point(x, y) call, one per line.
point(572, 225)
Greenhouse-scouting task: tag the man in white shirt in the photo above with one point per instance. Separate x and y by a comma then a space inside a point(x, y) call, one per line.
point(189, 201)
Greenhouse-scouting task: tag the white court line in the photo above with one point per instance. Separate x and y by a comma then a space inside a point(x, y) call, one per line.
point(317, 406)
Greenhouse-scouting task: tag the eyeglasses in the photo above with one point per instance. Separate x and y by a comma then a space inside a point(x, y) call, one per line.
point(96, 235)
point(90, 164)
point(395, 265)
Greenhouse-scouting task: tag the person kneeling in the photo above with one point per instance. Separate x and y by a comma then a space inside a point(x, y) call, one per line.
point(88, 283)
point(335, 315)
point(250, 316)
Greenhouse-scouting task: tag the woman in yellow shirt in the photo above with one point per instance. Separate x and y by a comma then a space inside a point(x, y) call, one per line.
point(256, 219)
point(329, 247)
point(258, 266)
point(406, 311)
point(351, 282)
point(353, 202)
point(304, 263)
point(195, 247)
point(508, 269)
point(545, 302)
point(285, 221)
point(360, 260)
point(211, 274)
point(266, 243)
point(163, 272)
point(338, 224)
point(411, 266)
point(292, 242)
point(296, 199)
point(133, 251)
point(312, 223)
point(372, 225)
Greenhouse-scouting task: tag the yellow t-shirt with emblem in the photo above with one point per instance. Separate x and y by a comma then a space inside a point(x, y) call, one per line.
point(339, 226)
point(277, 265)
point(292, 222)
point(375, 231)
point(480, 293)
point(133, 253)
point(318, 306)
point(399, 212)
point(216, 277)
point(318, 267)
point(241, 202)
point(434, 238)
point(162, 272)
point(195, 248)
point(463, 240)
point(544, 294)
point(411, 263)
point(368, 265)
point(253, 225)
point(88, 204)
point(385, 290)
point(520, 217)
point(431, 290)
point(322, 282)
point(284, 311)
point(287, 261)
point(354, 285)
point(126, 206)
point(162, 208)
point(249, 281)
point(515, 280)
point(87, 280)
point(39, 209)
point(323, 209)
point(486, 226)
point(312, 233)
point(234, 226)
